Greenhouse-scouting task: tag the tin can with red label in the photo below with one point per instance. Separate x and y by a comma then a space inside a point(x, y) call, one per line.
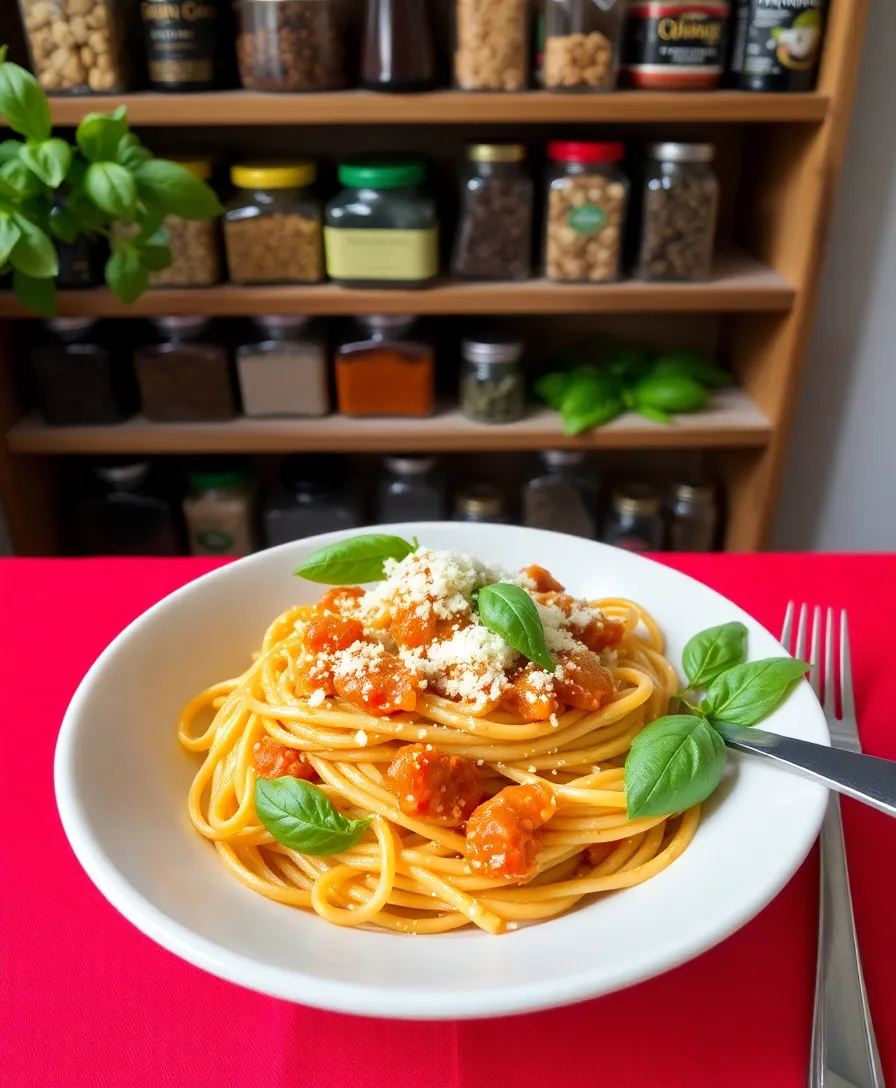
point(675, 45)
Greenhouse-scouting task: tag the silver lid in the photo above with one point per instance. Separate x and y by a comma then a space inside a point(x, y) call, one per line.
point(279, 323)
point(670, 152)
point(386, 322)
point(482, 500)
point(184, 325)
point(694, 492)
point(562, 458)
point(410, 466)
point(491, 349)
point(63, 326)
point(636, 498)
point(124, 476)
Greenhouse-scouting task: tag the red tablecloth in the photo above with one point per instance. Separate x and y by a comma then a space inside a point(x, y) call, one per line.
point(86, 1001)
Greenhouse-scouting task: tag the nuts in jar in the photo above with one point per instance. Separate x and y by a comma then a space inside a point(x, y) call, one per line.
point(491, 51)
point(586, 211)
point(291, 45)
point(194, 244)
point(272, 227)
point(679, 219)
point(76, 46)
point(578, 60)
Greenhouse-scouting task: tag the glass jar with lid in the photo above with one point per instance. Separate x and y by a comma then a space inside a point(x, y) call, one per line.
point(126, 508)
point(492, 385)
point(185, 375)
point(291, 45)
point(220, 511)
point(410, 489)
point(581, 44)
point(587, 197)
point(562, 495)
point(494, 233)
point(480, 503)
point(195, 244)
point(397, 52)
point(678, 224)
point(80, 375)
point(382, 230)
point(272, 226)
point(384, 371)
point(491, 45)
point(78, 46)
point(283, 370)
point(312, 497)
point(693, 517)
point(635, 519)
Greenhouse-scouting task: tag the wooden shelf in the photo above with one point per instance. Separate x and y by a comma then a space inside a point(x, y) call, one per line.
point(446, 107)
point(739, 284)
point(733, 421)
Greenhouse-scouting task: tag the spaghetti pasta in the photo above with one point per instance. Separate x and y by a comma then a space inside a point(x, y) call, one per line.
point(416, 873)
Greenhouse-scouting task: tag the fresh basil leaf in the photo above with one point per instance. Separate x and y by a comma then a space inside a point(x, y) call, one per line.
point(552, 387)
point(510, 612)
point(17, 182)
point(38, 295)
point(673, 763)
point(155, 257)
point(603, 411)
point(655, 415)
point(64, 225)
point(744, 694)
point(112, 189)
point(626, 363)
point(9, 235)
point(126, 274)
point(23, 102)
point(303, 818)
point(670, 393)
point(10, 149)
point(591, 399)
point(176, 190)
point(692, 364)
point(709, 653)
point(49, 159)
point(130, 152)
point(33, 254)
point(350, 562)
point(99, 135)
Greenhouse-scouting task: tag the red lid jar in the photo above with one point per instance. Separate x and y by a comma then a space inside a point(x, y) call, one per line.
point(577, 151)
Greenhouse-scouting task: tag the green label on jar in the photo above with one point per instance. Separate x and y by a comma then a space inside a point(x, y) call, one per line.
point(588, 219)
point(214, 541)
point(383, 254)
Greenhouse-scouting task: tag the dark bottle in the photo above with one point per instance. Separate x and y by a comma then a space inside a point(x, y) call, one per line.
point(80, 377)
point(777, 44)
point(125, 510)
point(311, 498)
point(81, 262)
point(397, 52)
point(186, 44)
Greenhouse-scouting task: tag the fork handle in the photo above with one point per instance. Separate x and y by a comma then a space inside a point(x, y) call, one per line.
point(866, 778)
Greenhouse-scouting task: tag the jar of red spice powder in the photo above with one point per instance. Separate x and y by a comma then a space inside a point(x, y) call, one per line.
point(383, 372)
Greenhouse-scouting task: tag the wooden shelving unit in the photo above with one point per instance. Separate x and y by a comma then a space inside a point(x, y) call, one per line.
point(779, 157)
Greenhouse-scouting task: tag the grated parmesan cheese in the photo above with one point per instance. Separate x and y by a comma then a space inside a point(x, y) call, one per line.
point(361, 739)
point(317, 698)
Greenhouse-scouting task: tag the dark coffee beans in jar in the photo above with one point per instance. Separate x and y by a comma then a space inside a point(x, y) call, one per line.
point(679, 218)
point(494, 235)
point(291, 45)
point(675, 45)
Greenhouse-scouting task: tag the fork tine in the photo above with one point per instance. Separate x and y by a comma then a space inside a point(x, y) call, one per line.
point(847, 701)
point(787, 628)
point(816, 675)
point(799, 649)
point(830, 698)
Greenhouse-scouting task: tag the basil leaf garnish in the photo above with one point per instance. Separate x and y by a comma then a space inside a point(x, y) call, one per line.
point(673, 763)
point(712, 651)
point(358, 559)
point(510, 612)
point(302, 817)
point(746, 693)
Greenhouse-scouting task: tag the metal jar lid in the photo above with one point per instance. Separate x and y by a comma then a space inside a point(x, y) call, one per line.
point(672, 152)
point(481, 500)
point(491, 348)
point(181, 324)
point(636, 499)
point(562, 458)
point(386, 322)
point(280, 323)
point(703, 493)
point(496, 152)
point(124, 477)
point(70, 326)
point(410, 466)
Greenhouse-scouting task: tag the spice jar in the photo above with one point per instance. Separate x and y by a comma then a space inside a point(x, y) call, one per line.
point(125, 508)
point(272, 227)
point(675, 45)
point(480, 503)
point(397, 52)
point(79, 378)
point(186, 43)
point(491, 50)
point(284, 373)
point(411, 489)
point(587, 196)
point(291, 45)
point(185, 377)
point(381, 230)
point(81, 262)
point(678, 227)
point(194, 243)
point(494, 235)
point(219, 511)
point(634, 520)
point(492, 386)
point(77, 46)
point(562, 496)
point(311, 498)
point(382, 373)
point(693, 517)
point(581, 44)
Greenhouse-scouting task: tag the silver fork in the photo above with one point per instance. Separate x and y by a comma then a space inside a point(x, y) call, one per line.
point(844, 1051)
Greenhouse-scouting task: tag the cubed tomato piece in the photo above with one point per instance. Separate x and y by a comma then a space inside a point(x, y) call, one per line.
point(528, 701)
point(431, 785)
point(600, 634)
point(544, 581)
point(581, 681)
point(339, 599)
point(316, 674)
point(384, 687)
point(273, 760)
point(331, 631)
point(412, 625)
point(502, 834)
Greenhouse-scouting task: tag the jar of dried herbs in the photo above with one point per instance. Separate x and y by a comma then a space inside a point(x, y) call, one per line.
point(492, 386)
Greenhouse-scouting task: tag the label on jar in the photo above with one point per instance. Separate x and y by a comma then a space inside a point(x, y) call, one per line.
point(674, 44)
point(181, 40)
point(381, 254)
point(777, 36)
point(587, 219)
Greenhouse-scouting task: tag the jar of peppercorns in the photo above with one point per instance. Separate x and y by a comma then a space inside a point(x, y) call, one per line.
point(581, 44)
point(291, 45)
point(272, 227)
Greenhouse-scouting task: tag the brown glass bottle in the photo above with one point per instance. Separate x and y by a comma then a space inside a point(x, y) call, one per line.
point(397, 52)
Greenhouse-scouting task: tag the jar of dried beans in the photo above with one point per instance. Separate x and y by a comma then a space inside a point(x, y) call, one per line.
point(587, 196)
point(272, 227)
point(77, 46)
point(491, 50)
point(291, 45)
point(581, 44)
point(194, 243)
point(681, 195)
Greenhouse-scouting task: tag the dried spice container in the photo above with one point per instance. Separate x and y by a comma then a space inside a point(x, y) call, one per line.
point(185, 377)
point(491, 50)
point(494, 234)
point(693, 517)
point(195, 245)
point(285, 372)
point(77, 46)
point(410, 489)
point(125, 508)
point(397, 52)
point(562, 496)
point(492, 385)
point(581, 44)
point(82, 262)
point(185, 43)
point(634, 520)
point(681, 196)
point(675, 45)
point(383, 372)
point(312, 497)
point(220, 511)
point(272, 226)
point(291, 45)
point(480, 503)
point(587, 195)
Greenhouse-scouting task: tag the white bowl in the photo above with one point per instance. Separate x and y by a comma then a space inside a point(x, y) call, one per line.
point(122, 781)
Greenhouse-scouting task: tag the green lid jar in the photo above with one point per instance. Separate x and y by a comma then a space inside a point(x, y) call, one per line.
point(381, 229)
